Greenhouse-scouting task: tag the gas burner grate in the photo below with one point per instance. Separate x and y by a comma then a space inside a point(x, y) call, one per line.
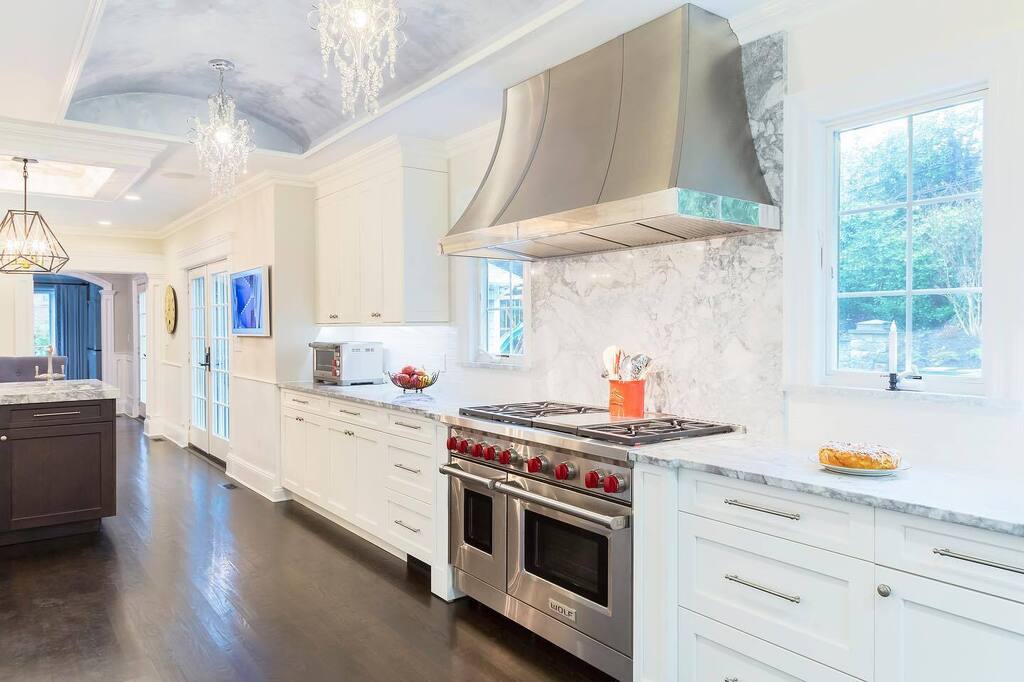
point(525, 413)
point(646, 431)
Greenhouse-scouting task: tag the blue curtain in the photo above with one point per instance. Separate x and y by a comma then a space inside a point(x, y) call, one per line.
point(74, 332)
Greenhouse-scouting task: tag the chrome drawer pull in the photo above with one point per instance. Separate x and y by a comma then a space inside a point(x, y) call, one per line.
point(731, 679)
point(765, 510)
point(300, 402)
point(409, 469)
point(762, 588)
point(976, 560)
point(354, 414)
point(406, 526)
point(56, 414)
point(408, 426)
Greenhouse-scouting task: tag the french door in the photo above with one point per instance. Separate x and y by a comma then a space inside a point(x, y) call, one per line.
point(143, 359)
point(209, 427)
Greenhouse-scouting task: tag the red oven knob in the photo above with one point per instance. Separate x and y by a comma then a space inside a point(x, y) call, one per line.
point(594, 479)
point(489, 453)
point(463, 446)
point(565, 471)
point(536, 464)
point(615, 484)
point(505, 457)
point(453, 443)
point(477, 450)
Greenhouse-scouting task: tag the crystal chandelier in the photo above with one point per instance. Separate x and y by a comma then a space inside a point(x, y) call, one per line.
point(362, 37)
point(223, 144)
point(27, 244)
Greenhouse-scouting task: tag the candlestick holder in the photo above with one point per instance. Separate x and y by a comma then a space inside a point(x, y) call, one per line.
point(894, 382)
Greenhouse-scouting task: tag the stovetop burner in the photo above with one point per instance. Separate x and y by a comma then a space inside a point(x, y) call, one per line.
point(525, 413)
point(655, 430)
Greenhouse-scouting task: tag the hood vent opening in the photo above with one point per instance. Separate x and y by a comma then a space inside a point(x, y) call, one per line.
point(641, 141)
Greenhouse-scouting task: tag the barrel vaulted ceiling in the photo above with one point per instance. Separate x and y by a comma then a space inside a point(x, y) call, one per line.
point(147, 65)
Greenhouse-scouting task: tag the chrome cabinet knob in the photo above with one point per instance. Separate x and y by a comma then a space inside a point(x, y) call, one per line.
point(2, 438)
point(884, 590)
point(731, 679)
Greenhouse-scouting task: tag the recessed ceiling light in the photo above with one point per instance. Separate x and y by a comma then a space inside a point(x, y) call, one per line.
point(104, 222)
point(132, 197)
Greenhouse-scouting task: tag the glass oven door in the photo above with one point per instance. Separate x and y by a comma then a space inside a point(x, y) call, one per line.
point(573, 569)
point(323, 361)
point(476, 530)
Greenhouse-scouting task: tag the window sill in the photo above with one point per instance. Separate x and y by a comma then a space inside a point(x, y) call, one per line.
point(908, 396)
point(506, 366)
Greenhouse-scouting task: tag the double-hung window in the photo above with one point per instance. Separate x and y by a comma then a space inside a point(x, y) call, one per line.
point(502, 319)
point(907, 242)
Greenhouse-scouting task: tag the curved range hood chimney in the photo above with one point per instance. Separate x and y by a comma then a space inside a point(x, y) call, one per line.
point(640, 141)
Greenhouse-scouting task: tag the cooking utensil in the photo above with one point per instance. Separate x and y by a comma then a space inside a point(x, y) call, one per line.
point(639, 366)
point(608, 357)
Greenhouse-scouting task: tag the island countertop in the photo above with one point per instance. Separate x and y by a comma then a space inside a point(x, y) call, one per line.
point(26, 392)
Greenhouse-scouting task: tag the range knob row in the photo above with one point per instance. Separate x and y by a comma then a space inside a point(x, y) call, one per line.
point(481, 450)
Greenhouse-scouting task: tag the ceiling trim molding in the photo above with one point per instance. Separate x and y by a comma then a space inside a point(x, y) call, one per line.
point(392, 152)
point(473, 59)
point(78, 146)
point(243, 189)
point(471, 139)
point(772, 16)
point(93, 13)
point(80, 231)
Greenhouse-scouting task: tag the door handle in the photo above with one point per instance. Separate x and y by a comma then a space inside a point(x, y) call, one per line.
point(456, 472)
point(206, 362)
point(611, 522)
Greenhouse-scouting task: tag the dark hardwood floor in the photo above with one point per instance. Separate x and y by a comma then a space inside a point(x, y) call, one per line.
point(192, 581)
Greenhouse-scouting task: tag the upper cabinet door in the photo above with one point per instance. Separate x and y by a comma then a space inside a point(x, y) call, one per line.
point(929, 631)
point(371, 251)
point(337, 257)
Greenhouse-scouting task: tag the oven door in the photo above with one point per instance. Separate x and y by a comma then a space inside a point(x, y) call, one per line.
point(476, 530)
point(570, 556)
point(324, 364)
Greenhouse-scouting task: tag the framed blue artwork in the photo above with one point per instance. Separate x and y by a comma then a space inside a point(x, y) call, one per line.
point(250, 302)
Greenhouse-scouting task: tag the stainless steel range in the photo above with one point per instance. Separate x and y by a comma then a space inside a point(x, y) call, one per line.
point(540, 518)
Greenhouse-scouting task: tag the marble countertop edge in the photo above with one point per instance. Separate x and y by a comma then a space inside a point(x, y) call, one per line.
point(29, 392)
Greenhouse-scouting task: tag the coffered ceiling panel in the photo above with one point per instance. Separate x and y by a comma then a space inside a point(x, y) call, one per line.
point(146, 67)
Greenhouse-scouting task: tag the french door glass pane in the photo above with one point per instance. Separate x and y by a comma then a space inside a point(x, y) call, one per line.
point(198, 315)
point(873, 251)
point(220, 356)
point(863, 325)
point(947, 334)
point(947, 245)
point(143, 347)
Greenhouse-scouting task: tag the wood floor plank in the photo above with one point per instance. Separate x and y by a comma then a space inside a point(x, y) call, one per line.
point(191, 581)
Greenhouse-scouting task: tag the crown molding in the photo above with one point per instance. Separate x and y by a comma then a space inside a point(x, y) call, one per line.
point(80, 231)
point(60, 143)
point(487, 134)
point(242, 190)
point(392, 152)
point(83, 45)
point(772, 16)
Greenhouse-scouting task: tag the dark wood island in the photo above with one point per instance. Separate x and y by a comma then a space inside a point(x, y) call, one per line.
point(58, 458)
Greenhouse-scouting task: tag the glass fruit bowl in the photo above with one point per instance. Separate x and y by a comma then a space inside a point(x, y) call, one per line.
point(416, 381)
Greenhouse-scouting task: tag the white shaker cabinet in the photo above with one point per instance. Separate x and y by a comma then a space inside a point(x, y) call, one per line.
point(930, 631)
point(371, 507)
point(293, 450)
point(378, 224)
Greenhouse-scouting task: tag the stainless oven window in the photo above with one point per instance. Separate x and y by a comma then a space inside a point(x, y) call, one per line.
point(477, 520)
point(323, 360)
point(567, 555)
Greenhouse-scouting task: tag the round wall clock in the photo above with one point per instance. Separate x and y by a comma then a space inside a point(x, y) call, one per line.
point(171, 309)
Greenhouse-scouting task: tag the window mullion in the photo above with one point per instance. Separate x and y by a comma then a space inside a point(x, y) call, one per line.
point(908, 323)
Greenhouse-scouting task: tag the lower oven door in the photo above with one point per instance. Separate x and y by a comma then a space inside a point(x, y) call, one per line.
point(577, 570)
point(476, 531)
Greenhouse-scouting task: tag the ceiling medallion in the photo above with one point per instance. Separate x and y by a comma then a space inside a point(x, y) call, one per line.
point(362, 38)
point(27, 244)
point(223, 144)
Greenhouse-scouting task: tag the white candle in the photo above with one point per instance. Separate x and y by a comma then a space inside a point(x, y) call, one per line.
point(893, 353)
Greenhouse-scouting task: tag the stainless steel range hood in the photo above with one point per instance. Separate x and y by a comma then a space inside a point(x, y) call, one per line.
point(640, 141)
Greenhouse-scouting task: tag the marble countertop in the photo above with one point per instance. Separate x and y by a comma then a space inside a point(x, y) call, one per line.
point(24, 392)
point(438, 401)
point(933, 491)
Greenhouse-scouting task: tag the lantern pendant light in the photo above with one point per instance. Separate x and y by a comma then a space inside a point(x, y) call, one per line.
point(27, 244)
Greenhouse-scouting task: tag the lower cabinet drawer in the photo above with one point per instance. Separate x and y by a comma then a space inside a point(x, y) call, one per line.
point(811, 601)
point(408, 426)
point(356, 413)
point(410, 526)
point(712, 652)
point(409, 469)
point(979, 559)
point(46, 414)
point(302, 401)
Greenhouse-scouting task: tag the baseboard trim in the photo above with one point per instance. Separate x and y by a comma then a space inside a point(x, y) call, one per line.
point(351, 527)
point(254, 478)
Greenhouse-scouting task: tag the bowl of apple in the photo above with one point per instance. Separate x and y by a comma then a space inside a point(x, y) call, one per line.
point(410, 378)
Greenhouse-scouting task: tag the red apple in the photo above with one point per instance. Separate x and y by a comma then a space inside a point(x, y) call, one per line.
point(402, 379)
point(408, 369)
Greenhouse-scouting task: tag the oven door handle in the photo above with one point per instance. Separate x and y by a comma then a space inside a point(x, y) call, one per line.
point(456, 472)
point(612, 522)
